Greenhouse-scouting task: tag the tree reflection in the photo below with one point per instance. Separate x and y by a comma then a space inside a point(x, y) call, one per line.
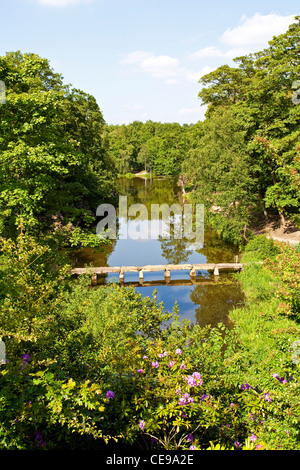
point(175, 251)
point(147, 192)
point(217, 250)
point(214, 302)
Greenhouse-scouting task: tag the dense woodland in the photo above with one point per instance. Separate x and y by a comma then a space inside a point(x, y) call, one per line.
point(154, 147)
point(244, 159)
point(107, 368)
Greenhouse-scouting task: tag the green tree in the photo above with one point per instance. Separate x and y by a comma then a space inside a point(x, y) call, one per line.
point(221, 174)
point(152, 146)
point(273, 121)
point(52, 159)
point(246, 161)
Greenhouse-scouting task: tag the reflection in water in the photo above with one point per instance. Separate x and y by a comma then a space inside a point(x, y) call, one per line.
point(214, 302)
point(204, 301)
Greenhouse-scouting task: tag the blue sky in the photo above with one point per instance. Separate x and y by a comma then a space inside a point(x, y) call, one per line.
point(141, 59)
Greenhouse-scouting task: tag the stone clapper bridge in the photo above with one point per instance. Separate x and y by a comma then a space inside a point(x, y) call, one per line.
point(167, 268)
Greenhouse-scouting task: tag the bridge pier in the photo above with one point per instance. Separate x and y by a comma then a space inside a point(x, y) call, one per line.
point(193, 272)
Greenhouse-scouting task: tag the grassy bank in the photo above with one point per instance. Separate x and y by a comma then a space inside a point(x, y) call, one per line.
point(267, 328)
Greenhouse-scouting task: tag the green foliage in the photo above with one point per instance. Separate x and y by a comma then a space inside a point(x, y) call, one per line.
point(152, 146)
point(80, 238)
point(246, 163)
point(38, 410)
point(220, 170)
point(53, 160)
point(259, 248)
point(88, 366)
point(32, 278)
point(172, 404)
point(287, 267)
point(268, 330)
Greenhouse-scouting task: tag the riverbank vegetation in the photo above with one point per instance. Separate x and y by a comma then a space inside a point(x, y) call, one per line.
point(106, 368)
point(98, 368)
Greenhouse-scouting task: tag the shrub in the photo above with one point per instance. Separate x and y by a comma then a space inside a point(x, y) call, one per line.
point(259, 248)
point(286, 266)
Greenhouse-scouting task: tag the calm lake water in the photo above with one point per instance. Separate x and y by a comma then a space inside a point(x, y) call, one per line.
point(204, 302)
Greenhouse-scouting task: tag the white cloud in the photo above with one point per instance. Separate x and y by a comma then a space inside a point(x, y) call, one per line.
point(257, 30)
point(159, 66)
point(62, 3)
point(135, 57)
point(207, 52)
point(212, 52)
point(171, 81)
point(251, 35)
point(162, 66)
point(206, 69)
point(195, 76)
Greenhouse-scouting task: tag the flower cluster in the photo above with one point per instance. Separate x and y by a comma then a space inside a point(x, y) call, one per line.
point(280, 379)
point(39, 440)
point(251, 440)
point(25, 359)
point(174, 367)
point(180, 390)
point(194, 380)
point(161, 355)
point(246, 386)
point(266, 395)
point(185, 399)
point(142, 424)
point(59, 225)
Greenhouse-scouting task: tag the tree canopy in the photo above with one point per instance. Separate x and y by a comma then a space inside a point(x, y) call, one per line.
point(54, 167)
point(247, 160)
point(155, 147)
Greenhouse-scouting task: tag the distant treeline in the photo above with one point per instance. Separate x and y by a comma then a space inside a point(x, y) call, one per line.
point(155, 147)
